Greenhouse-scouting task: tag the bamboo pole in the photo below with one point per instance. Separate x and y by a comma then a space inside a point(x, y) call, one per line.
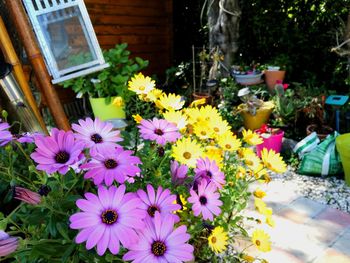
point(12, 58)
point(26, 34)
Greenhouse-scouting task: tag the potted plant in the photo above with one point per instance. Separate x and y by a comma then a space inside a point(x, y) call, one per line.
point(247, 75)
point(208, 76)
point(254, 111)
point(107, 89)
point(313, 109)
point(272, 139)
point(275, 70)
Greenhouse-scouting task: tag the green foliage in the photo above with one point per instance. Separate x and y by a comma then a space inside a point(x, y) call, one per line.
point(303, 31)
point(113, 80)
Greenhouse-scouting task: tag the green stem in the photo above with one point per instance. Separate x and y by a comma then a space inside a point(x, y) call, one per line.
point(24, 153)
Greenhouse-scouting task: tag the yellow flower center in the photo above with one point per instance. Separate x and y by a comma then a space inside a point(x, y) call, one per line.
point(213, 240)
point(142, 88)
point(228, 146)
point(187, 155)
point(257, 243)
point(203, 133)
point(249, 162)
point(216, 129)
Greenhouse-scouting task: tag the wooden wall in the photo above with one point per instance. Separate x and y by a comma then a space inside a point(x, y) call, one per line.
point(146, 25)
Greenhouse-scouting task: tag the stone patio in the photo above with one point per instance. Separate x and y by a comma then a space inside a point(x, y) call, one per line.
point(305, 231)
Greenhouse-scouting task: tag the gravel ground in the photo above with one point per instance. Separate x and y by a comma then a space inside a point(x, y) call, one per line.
point(331, 191)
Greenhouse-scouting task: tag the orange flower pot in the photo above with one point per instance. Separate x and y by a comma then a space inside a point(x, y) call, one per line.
point(271, 76)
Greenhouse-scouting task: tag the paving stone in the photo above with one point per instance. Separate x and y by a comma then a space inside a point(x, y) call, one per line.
point(278, 255)
point(336, 216)
point(301, 210)
point(324, 231)
point(332, 255)
point(294, 239)
point(342, 244)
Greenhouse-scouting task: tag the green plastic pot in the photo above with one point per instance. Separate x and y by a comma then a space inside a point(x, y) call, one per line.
point(106, 111)
point(343, 147)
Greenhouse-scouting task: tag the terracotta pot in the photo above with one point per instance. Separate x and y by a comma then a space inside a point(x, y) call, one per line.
point(208, 98)
point(271, 76)
point(321, 133)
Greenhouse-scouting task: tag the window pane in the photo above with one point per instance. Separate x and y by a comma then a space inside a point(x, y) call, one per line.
point(66, 35)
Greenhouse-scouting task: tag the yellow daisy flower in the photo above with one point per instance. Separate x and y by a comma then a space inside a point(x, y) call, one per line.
point(141, 84)
point(118, 101)
point(214, 154)
point(210, 113)
point(229, 142)
point(261, 240)
point(218, 240)
point(258, 193)
point(170, 102)
point(260, 172)
point(248, 258)
point(220, 127)
point(176, 117)
point(241, 172)
point(181, 202)
point(203, 130)
point(260, 205)
point(137, 118)
point(198, 102)
point(273, 161)
point(253, 162)
point(251, 138)
point(243, 152)
point(270, 221)
point(153, 95)
point(187, 151)
point(194, 115)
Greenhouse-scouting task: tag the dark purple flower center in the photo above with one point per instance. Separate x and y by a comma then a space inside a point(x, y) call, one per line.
point(109, 217)
point(209, 174)
point(110, 164)
point(96, 138)
point(158, 248)
point(62, 157)
point(152, 210)
point(203, 200)
point(158, 132)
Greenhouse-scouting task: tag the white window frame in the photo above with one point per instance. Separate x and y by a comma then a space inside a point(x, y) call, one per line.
point(36, 8)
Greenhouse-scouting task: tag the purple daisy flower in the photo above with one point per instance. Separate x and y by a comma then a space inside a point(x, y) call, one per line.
point(160, 242)
point(206, 201)
point(108, 219)
point(111, 163)
point(96, 134)
point(161, 201)
point(207, 169)
point(28, 137)
point(8, 244)
point(57, 152)
point(5, 135)
point(159, 130)
point(178, 172)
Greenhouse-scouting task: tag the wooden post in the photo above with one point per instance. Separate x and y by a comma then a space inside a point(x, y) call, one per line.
point(11, 57)
point(26, 34)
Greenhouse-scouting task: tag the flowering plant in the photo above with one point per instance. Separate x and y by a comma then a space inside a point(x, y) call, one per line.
point(172, 189)
point(266, 131)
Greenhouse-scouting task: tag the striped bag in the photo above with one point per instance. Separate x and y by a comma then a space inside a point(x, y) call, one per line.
point(323, 159)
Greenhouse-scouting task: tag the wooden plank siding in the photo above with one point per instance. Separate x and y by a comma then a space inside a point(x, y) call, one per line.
point(146, 25)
